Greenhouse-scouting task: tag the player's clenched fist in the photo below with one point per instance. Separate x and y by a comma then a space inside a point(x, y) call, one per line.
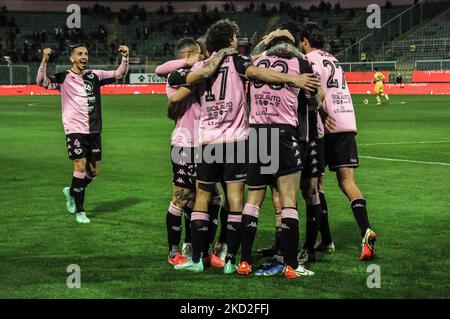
point(123, 49)
point(46, 54)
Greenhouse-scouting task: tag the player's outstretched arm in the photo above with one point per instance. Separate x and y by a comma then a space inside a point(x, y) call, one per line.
point(305, 81)
point(123, 67)
point(42, 78)
point(210, 67)
point(165, 69)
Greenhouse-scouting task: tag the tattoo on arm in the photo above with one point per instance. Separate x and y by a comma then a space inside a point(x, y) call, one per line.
point(259, 48)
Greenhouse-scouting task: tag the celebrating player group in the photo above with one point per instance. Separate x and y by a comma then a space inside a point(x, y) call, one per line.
point(273, 120)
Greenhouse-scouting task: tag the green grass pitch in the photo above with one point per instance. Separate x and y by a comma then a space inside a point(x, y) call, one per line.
point(122, 253)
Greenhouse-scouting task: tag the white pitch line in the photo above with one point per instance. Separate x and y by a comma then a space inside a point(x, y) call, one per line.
point(401, 143)
point(404, 160)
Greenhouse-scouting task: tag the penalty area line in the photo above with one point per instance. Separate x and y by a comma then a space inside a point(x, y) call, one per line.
point(404, 160)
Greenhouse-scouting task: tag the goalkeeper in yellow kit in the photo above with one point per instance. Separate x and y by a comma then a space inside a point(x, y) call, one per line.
point(378, 80)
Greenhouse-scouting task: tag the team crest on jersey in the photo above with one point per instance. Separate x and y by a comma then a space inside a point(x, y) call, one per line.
point(182, 72)
point(90, 76)
point(88, 86)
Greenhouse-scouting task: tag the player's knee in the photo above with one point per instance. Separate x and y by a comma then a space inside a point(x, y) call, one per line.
point(346, 183)
point(181, 204)
point(79, 165)
point(236, 203)
point(310, 194)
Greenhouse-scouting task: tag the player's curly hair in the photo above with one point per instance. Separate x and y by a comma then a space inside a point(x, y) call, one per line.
point(313, 33)
point(294, 28)
point(220, 34)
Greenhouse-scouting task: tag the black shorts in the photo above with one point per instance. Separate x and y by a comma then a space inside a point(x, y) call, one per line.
point(313, 159)
point(222, 162)
point(341, 150)
point(262, 172)
point(183, 166)
point(87, 146)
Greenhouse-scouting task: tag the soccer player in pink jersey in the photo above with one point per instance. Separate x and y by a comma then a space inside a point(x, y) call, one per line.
point(186, 114)
point(340, 142)
point(274, 110)
point(223, 135)
point(81, 116)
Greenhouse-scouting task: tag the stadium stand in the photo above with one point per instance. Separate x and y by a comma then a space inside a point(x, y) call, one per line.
point(151, 35)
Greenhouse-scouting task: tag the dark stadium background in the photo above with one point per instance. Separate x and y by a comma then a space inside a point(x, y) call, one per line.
point(404, 148)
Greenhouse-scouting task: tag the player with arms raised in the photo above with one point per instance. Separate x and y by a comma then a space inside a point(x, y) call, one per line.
point(81, 116)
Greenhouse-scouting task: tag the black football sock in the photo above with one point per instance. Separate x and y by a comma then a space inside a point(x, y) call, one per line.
point(312, 225)
point(223, 225)
point(173, 226)
point(77, 190)
point(324, 227)
point(360, 213)
point(233, 235)
point(199, 234)
point(290, 236)
point(187, 222)
point(249, 226)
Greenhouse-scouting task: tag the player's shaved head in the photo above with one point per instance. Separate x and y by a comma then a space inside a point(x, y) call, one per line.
point(220, 35)
point(186, 46)
point(312, 32)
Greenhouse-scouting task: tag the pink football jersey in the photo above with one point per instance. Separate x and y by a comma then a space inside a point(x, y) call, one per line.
point(338, 101)
point(186, 128)
point(273, 103)
point(223, 101)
